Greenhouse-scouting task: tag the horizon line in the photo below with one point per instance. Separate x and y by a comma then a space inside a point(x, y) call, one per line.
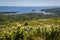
point(31, 6)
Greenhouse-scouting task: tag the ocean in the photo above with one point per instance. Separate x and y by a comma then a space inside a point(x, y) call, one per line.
point(24, 9)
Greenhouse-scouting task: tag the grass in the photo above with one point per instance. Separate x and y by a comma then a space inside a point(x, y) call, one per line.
point(42, 29)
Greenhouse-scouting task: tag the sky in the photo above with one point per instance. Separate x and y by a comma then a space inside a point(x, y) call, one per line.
point(29, 2)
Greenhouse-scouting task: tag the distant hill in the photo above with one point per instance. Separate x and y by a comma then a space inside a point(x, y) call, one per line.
point(55, 11)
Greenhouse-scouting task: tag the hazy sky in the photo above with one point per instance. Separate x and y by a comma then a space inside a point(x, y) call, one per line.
point(29, 2)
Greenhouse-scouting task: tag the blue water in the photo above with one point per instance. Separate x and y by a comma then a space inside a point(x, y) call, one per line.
point(24, 9)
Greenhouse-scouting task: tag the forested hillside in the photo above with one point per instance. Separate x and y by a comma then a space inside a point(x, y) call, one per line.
point(24, 17)
point(52, 10)
point(55, 11)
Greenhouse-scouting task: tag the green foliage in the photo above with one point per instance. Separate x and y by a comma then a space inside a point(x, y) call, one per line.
point(24, 17)
point(18, 35)
point(26, 24)
point(35, 26)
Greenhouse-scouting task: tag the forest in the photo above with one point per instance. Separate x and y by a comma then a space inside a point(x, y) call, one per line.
point(52, 10)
